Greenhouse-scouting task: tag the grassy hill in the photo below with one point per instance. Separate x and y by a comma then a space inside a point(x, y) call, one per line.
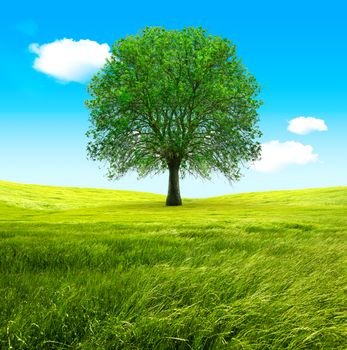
point(102, 269)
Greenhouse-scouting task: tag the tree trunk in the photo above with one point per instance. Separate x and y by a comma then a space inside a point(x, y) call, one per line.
point(173, 196)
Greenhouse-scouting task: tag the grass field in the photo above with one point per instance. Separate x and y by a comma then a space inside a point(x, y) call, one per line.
point(102, 269)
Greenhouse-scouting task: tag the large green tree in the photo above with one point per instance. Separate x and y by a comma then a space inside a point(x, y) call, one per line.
point(176, 100)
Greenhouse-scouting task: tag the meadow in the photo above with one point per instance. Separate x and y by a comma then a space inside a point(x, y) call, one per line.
point(103, 269)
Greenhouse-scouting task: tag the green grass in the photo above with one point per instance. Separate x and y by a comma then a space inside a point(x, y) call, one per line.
point(101, 269)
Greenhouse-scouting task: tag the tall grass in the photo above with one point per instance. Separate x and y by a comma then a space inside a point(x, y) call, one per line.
point(98, 269)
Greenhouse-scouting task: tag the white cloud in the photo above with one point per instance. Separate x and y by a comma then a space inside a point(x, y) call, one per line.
point(305, 125)
point(69, 60)
point(276, 155)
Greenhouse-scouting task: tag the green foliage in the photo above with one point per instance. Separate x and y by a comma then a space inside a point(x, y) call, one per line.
point(249, 271)
point(174, 97)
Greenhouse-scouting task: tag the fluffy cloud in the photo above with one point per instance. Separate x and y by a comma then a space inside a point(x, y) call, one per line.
point(276, 155)
point(305, 125)
point(68, 60)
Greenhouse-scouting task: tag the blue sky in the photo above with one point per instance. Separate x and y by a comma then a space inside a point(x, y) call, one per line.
point(297, 52)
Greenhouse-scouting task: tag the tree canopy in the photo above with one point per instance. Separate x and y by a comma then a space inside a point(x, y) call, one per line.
point(177, 100)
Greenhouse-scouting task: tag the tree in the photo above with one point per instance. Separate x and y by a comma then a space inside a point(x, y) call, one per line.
point(176, 100)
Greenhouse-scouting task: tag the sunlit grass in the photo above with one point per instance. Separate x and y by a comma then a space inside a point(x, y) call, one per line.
point(100, 269)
